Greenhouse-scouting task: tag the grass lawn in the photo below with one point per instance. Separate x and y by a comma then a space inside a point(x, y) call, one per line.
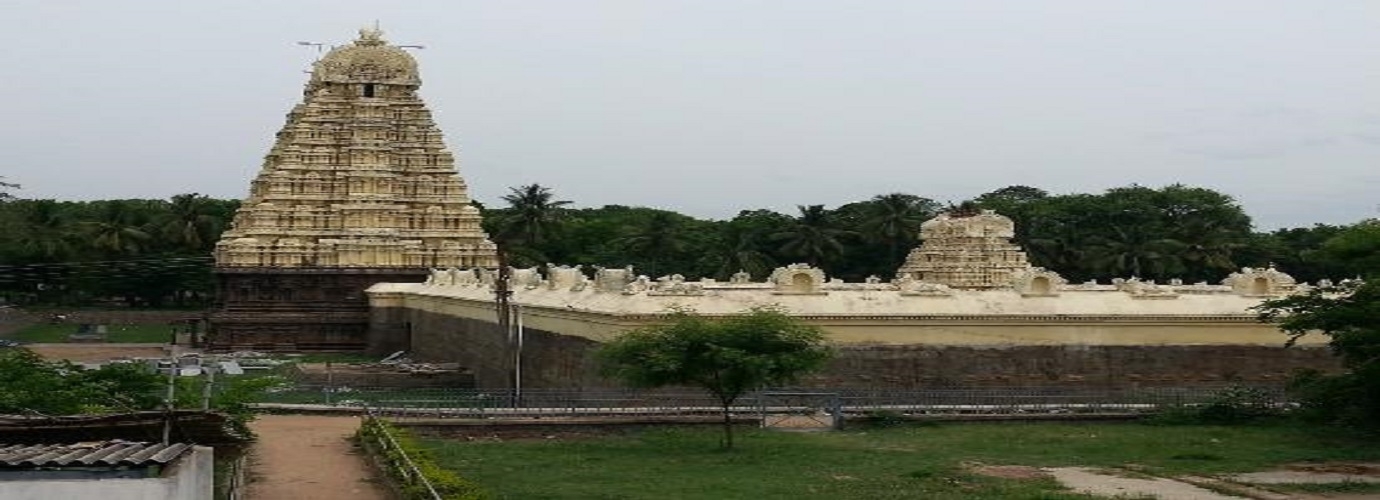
point(907, 462)
point(138, 333)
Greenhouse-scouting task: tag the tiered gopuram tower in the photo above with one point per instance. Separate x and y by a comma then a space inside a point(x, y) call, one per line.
point(358, 189)
point(966, 251)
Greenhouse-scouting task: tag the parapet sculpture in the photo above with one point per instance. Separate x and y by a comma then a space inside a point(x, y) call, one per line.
point(797, 279)
point(1037, 282)
point(960, 254)
point(1145, 289)
point(1256, 282)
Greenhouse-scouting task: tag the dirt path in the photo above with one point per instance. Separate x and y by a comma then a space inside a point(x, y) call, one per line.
point(1089, 481)
point(307, 457)
point(98, 352)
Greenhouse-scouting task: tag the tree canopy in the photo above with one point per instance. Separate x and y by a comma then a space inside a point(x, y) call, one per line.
point(31, 385)
point(156, 253)
point(1349, 315)
point(5, 188)
point(728, 357)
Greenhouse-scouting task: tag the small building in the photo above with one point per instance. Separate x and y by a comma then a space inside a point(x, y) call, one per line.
point(109, 470)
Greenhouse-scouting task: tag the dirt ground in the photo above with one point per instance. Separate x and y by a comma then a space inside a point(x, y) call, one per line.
point(1255, 485)
point(1090, 481)
point(309, 457)
point(90, 353)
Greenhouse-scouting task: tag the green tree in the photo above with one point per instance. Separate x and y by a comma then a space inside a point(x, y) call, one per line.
point(45, 231)
point(811, 237)
point(120, 229)
point(1298, 250)
point(659, 239)
point(5, 188)
point(1126, 251)
point(1349, 315)
point(744, 243)
point(725, 356)
point(32, 385)
point(531, 220)
point(1356, 247)
point(191, 222)
point(893, 220)
point(1010, 196)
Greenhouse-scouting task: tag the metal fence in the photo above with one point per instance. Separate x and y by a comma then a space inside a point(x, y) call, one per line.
point(483, 403)
point(380, 442)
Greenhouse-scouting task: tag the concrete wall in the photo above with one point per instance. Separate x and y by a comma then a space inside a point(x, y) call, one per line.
point(550, 360)
point(191, 478)
point(1113, 366)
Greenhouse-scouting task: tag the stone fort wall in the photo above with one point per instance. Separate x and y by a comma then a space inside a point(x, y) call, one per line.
point(554, 360)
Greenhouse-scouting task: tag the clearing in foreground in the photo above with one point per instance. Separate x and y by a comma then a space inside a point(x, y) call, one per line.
point(955, 461)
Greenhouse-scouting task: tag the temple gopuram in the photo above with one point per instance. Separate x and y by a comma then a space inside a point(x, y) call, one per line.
point(963, 250)
point(359, 188)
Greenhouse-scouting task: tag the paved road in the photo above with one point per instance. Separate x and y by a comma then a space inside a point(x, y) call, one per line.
point(309, 457)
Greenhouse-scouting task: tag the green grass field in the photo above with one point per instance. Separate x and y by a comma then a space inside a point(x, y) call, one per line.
point(892, 463)
point(139, 333)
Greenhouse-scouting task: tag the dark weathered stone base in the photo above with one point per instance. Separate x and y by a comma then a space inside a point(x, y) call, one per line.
point(560, 361)
point(297, 309)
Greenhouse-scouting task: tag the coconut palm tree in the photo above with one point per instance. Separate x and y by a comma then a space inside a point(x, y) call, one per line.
point(191, 222)
point(534, 215)
point(1140, 253)
point(894, 220)
point(524, 228)
point(657, 239)
point(741, 250)
point(117, 230)
point(1208, 248)
point(811, 237)
point(46, 231)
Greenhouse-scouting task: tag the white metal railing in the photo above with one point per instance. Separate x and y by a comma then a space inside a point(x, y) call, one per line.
point(394, 456)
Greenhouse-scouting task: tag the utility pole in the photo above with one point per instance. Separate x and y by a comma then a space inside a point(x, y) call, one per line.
point(517, 357)
point(208, 387)
point(503, 292)
point(169, 401)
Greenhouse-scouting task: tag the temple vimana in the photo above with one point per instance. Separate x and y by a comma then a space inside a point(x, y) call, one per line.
point(358, 188)
point(359, 235)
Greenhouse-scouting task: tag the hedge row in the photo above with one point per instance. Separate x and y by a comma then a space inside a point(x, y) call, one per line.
point(394, 462)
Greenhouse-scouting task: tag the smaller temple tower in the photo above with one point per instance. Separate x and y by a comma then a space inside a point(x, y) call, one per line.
point(966, 252)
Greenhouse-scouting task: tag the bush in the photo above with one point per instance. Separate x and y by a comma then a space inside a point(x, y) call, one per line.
point(1349, 399)
point(1237, 405)
point(448, 484)
point(1231, 406)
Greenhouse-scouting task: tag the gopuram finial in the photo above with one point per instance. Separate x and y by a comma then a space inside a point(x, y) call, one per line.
point(370, 36)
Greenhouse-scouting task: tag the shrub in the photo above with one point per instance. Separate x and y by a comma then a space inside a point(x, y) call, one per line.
point(1237, 405)
point(882, 418)
point(446, 483)
point(1231, 406)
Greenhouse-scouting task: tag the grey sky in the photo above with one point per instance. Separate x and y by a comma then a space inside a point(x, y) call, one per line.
point(709, 107)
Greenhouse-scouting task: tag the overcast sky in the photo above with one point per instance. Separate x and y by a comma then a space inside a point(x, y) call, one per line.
point(709, 107)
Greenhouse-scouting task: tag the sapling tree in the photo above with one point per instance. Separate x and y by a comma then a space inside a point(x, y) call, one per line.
point(726, 356)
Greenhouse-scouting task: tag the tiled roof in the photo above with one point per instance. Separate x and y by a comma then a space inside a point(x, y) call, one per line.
point(92, 453)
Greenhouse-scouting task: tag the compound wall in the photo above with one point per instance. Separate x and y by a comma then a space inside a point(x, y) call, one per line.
point(558, 351)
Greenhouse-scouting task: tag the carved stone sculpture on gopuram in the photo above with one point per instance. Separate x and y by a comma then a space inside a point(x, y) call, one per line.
point(966, 251)
point(359, 188)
